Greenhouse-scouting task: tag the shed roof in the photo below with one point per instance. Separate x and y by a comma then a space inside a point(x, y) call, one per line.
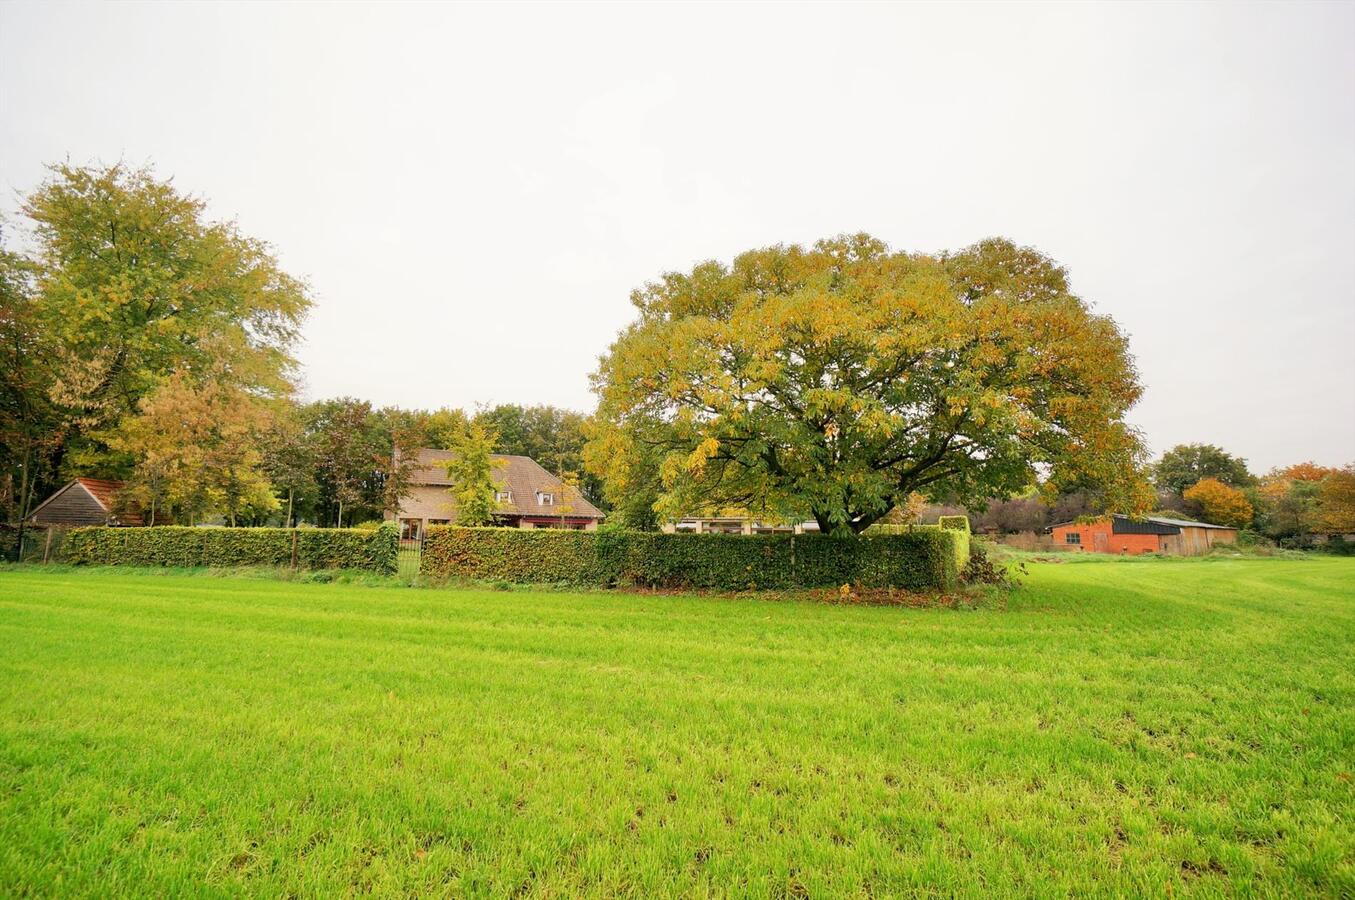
point(104, 492)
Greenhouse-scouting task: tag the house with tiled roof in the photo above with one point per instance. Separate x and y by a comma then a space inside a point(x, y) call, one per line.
point(528, 496)
point(86, 501)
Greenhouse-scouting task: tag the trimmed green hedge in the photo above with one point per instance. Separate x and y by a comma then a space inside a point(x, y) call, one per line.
point(958, 526)
point(920, 558)
point(315, 548)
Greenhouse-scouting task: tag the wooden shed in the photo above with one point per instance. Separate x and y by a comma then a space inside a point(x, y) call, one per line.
point(1155, 534)
point(85, 501)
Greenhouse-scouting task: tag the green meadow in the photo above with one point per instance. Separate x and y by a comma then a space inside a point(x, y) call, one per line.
point(1119, 729)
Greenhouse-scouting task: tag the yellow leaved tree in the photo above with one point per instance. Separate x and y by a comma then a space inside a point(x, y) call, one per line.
point(834, 382)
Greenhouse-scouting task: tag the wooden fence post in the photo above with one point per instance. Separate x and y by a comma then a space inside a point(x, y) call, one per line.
point(47, 547)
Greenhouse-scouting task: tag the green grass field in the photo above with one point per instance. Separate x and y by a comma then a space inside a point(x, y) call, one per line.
point(1140, 728)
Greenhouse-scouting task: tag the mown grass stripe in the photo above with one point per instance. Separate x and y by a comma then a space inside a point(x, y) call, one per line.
point(1120, 729)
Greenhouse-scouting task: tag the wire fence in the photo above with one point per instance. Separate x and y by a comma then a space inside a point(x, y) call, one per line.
point(38, 545)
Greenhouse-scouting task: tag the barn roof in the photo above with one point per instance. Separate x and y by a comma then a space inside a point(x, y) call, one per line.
point(1126, 525)
point(1187, 523)
point(1121, 524)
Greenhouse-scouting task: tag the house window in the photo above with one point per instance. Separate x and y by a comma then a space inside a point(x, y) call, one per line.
point(503, 496)
point(544, 498)
point(1073, 537)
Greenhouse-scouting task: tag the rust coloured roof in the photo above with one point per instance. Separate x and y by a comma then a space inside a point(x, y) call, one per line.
point(105, 491)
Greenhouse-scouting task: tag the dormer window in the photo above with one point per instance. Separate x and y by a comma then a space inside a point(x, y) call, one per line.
point(545, 498)
point(503, 496)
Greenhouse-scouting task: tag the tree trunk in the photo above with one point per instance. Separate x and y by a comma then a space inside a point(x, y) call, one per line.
point(289, 507)
point(23, 502)
point(852, 526)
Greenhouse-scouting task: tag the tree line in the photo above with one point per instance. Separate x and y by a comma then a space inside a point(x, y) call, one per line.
point(1289, 503)
point(141, 341)
point(1201, 482)
point(845, 382)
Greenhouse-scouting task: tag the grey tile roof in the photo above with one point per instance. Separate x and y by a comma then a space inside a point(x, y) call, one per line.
point(521, 475)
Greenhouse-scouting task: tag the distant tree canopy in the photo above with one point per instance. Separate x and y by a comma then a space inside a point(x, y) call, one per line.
point(552, 436)
point(836, 381)
point(1336, 500)
point(328, 462)
point(1305, 498)
point(1187, 464)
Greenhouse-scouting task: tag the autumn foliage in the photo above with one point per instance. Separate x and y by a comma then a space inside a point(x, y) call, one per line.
point(1220, 504)
point(1336, 501)
point(140, 326)
point(836, 381)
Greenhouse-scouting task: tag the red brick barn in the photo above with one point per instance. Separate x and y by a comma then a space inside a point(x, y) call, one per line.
point(1121, 534)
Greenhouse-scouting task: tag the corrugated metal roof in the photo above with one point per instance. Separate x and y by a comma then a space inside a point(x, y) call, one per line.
point(1126, 525)
point(1187, 523)
point(1121, 524)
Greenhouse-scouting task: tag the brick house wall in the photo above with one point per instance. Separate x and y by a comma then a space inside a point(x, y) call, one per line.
point(1099, 537)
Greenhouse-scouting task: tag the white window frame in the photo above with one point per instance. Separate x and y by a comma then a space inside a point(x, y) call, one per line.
point(545, 498)
point(503, 496)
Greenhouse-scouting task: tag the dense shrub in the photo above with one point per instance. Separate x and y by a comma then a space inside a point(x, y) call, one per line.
point(985, 567)
point(1338, 546)
point(917, 558)
point(374, 550)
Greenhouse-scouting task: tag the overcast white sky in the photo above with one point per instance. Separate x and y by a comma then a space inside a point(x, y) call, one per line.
point(473, 191)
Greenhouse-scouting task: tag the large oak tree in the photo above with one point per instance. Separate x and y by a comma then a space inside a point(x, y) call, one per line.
point(833, 382)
